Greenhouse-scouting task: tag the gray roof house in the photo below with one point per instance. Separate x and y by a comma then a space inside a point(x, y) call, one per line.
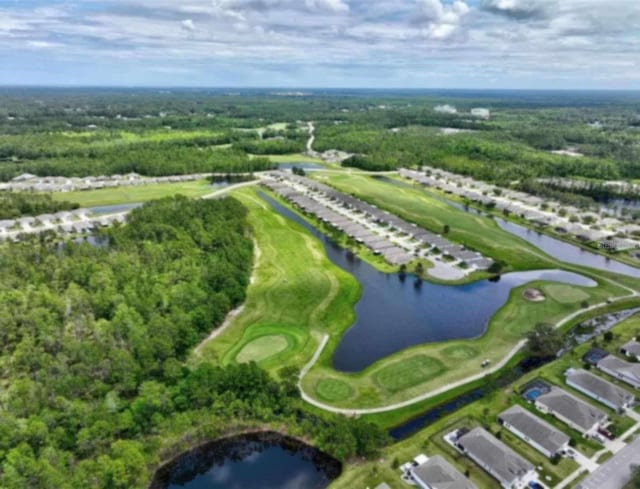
point(616, 472)
point(571, 410)
point(599, 389)
point(626, 371)
point(536, 432)
point(631, 349)
point(437, 473)
point(505, 465)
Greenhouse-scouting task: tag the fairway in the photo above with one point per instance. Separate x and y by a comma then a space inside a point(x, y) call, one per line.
point(262, 348)
point(142, 193)
point(298, 295)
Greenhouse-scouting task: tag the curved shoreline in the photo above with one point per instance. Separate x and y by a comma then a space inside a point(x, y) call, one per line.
point(218, 450)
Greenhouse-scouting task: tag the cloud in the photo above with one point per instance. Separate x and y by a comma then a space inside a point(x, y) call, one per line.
point(520, 9)
point(439, 20)
point(188, 25)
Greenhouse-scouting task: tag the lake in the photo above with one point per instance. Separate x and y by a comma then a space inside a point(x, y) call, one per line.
point(254, 461)
point(398, 311)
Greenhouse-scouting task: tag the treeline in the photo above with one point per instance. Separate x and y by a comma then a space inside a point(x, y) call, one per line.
point(486, 155)
point(16, 204)
point(149, 160)
point(93, 344)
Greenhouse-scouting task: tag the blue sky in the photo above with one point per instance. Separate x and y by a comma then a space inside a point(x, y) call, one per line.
point(322, 43)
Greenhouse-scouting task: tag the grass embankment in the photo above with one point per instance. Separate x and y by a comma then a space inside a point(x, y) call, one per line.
point(484, 412)
point(427, 367)
point(142, 193)
point(297, 295)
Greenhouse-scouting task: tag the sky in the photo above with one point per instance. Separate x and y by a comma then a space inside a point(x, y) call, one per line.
point(493, 44)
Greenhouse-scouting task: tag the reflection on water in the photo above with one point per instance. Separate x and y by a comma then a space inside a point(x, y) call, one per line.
point(397, 311)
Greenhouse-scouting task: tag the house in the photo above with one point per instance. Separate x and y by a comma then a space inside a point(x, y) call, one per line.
point(599, 389)
point(625, 371)
point(545, 438)
point(631, 349)
point(437, 473)
point(571, 410)
point(500, 461)
point(616, 472)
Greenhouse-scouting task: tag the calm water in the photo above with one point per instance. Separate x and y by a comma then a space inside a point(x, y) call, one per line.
point(301, 164)
point(396, 312)
point(567, 252)
point(556, 248)
point(113, 209)
point(250, 462)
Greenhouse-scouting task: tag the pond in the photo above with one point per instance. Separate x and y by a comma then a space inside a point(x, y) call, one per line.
point(114, 209)
point(398, 311)
point(254, 461)
point(567, 252)
point(305, 165)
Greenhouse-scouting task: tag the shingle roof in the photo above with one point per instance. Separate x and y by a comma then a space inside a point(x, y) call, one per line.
point(571, 407)
point(600, 387)
point(440, 474)
point(535, 428)
point(506, 465)
point(628, 369)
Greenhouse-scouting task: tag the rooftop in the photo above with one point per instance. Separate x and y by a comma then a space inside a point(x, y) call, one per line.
point(600, 387)
point(440, 474)
point(506, 465)
point(628, 369)
point(538, 430)
point(573, 408)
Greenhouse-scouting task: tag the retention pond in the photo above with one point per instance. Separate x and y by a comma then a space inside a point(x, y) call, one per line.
point(255, 461)
point(397, 311)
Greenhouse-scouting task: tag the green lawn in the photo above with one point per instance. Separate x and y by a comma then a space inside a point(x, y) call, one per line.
point(143, 193)
point(564, 293)
point(297, 292)
point(262, 348)
point(483, 413)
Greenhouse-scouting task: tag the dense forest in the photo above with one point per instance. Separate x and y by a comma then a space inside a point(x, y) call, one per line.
point(94, 339)
point(16, 204)
point(159, 132)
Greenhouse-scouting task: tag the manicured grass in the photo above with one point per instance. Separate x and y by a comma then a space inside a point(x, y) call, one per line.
point(476, 232)
point(509, 325)
point(143, 193)
point(483, 413)
point(292, 158)
point(333, 390)
point(400, 375)
point(262, 348)
point(565, 293)
point(297, 292)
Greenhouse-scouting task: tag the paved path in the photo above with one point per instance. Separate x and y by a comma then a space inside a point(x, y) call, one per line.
point(435, 392)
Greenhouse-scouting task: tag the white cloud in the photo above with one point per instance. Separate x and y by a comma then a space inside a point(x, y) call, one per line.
point(439, 20)
point(188, 25)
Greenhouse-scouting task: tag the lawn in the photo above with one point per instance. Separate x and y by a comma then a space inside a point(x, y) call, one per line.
point(297, 293)
point(143, 193)
point(262, 348)
point(483, 413)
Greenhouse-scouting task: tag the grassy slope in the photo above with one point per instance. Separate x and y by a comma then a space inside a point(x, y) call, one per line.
point(122, 195)
point(484, 411)
point(300, 294)
point(297, 293)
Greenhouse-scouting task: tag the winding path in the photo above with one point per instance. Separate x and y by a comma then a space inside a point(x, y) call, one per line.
point(441, 390)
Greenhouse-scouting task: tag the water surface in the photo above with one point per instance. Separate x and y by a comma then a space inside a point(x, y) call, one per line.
point(263, 461)
point(398, 311)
